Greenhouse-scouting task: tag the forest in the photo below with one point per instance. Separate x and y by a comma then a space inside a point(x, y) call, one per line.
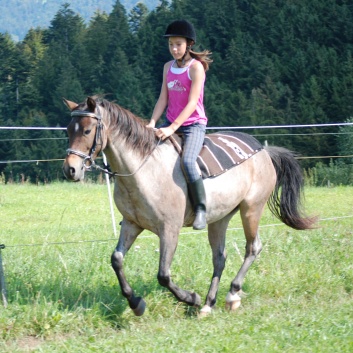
point(275, 62)
point(18, 16)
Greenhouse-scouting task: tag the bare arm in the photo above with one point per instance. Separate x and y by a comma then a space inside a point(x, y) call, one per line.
point(162, 101)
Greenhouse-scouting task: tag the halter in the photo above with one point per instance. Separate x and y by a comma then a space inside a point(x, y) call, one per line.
point(97, 138)
point(98, 141)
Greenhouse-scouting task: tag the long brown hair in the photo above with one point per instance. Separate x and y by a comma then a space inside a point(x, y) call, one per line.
point(203, 56)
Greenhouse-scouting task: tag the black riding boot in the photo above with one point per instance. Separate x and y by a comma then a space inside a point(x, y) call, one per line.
point(198, 200)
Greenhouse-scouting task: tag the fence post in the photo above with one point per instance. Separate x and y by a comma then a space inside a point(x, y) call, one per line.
point(2, 280)
point(109, 195)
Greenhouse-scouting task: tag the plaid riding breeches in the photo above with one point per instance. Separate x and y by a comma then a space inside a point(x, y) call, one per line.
point(193, 137)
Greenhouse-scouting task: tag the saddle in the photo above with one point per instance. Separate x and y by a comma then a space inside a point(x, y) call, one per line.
point(221, 151)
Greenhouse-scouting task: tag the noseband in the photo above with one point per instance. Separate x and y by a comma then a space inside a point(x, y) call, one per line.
point(97, 139)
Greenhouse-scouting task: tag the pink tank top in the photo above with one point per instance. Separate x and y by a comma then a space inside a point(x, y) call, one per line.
point(179, 85)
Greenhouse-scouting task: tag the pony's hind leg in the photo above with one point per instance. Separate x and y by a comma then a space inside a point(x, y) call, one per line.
point(216, 238)
point(128, 234)
point(250, 216)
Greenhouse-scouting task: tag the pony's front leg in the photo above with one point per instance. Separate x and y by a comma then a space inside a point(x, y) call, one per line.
point(168, 244)
point(128, 234)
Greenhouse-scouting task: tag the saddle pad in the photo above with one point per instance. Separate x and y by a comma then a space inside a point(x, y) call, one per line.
point(222, 151)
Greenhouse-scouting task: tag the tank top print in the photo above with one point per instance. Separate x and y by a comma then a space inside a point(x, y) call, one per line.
point(179, 85)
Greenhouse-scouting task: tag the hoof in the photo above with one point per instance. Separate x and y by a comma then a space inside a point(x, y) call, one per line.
point(140, 309)
point(205, 311)
point(233, 301)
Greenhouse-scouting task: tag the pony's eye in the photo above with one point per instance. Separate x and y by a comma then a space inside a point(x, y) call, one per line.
point(87, 132)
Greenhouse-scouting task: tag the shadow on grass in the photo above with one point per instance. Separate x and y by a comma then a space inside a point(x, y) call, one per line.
point(103, 298)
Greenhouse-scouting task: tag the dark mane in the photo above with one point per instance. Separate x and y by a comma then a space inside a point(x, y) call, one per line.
point(132, 129)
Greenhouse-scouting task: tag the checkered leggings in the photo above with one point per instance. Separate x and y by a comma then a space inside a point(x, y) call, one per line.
point(193, 136)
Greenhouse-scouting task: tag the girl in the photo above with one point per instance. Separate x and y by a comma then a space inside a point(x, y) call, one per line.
point(182, 94)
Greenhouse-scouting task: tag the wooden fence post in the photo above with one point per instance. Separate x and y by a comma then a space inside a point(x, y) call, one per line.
point(2, 280)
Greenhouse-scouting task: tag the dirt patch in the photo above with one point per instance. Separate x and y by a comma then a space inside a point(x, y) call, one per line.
point(29, 343)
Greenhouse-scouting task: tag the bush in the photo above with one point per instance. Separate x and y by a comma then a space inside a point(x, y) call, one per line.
point(336, 173)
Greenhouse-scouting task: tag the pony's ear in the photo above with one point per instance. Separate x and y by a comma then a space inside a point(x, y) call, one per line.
point(91, 103)
point(69, 104)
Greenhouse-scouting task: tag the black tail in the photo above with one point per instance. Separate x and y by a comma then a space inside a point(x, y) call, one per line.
point(285, 201)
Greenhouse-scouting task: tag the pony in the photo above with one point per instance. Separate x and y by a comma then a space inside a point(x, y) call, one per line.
point(150, 192)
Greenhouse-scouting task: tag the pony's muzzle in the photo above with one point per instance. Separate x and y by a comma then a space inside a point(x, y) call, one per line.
point(73, 171)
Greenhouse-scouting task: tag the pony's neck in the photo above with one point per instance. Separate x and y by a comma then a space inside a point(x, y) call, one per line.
point(125, 127)
point(128, 140)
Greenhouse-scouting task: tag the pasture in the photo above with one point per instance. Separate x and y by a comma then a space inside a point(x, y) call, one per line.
point(63, 295)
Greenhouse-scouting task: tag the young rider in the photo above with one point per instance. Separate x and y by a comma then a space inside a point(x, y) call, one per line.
point(182, 94)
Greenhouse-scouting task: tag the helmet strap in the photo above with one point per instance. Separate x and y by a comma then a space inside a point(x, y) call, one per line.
point(183, 58)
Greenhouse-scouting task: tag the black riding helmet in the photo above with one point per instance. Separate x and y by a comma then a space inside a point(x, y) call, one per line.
point(181, 28)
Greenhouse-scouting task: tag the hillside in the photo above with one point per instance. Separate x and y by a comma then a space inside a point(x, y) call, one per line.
point(18, 16)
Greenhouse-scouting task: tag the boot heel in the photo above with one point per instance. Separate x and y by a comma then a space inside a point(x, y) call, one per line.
point(200, 220)
point(198, 199)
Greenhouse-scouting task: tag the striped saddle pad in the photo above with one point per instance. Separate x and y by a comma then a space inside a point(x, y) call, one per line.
point(222, 151)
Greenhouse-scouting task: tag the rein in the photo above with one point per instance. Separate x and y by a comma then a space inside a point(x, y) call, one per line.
point(98, 141)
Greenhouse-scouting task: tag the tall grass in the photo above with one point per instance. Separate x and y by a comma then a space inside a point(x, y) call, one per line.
point(63, 295)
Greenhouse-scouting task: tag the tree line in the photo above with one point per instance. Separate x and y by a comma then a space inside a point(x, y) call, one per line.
point(276, 62)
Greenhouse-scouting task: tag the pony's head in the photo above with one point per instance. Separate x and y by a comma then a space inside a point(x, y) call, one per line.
point(87, 137)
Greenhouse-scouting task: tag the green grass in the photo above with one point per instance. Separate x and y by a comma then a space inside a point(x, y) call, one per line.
point(63, 295)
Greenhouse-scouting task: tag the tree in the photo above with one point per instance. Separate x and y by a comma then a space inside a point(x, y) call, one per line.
point(137, 17)
point(62, 38)
point(118, 32)
point(94, 50)
point(9, 77)
point(68, 86)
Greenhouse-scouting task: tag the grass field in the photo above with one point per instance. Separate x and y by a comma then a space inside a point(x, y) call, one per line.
point(63, 295)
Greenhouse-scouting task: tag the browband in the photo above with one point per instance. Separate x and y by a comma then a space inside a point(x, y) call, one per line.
point(84, 113)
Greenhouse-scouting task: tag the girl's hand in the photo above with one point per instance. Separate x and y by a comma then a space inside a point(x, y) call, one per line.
point(151, 124)
point(164, 132)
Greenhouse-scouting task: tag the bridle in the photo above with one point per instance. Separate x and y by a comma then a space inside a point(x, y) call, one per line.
point(97, 139)
point(99, 142)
